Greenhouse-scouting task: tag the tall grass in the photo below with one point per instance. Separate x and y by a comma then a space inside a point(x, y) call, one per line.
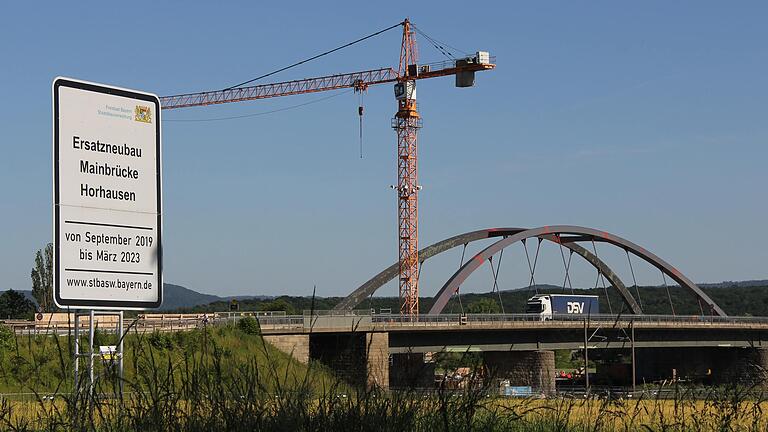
point(229, 379)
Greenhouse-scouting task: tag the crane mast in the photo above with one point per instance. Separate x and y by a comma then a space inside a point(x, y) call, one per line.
point(406, 124)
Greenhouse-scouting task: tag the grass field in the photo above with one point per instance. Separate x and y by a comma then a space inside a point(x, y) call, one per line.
point(44, 364)
point(228, 379)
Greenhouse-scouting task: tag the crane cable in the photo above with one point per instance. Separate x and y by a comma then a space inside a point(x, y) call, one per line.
point(315, 57)
point(440, 46)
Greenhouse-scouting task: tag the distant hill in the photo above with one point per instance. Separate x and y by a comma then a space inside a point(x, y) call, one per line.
point(740, 297)
point(177, 297)
point(537, 287)
point(725, 284)
point(28, 294)
point(739, 284)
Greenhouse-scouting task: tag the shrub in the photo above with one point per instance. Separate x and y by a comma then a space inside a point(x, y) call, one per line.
point(160, 341)
point(189, 341)
point(100, 337)
point(7, 339)
point(248, 325)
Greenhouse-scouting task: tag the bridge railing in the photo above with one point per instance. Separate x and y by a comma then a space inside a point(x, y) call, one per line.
point(333, 319)
point(496, 318)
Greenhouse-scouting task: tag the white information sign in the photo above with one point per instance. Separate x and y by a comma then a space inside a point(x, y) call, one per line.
point(107, 201)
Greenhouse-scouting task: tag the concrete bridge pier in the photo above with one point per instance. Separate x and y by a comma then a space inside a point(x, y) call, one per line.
point(746, 366)
point(377, 360)
point(713, 365)
point(523, 368)
point(410, 371)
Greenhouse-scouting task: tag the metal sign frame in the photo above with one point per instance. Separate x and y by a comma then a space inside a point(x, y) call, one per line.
point(58, 83)
point(90, 355)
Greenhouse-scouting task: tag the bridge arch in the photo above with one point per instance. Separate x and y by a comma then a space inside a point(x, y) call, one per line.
point(566, 235)
point(369, 287)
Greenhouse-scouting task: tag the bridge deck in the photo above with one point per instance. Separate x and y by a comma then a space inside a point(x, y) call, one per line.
point(367, 323)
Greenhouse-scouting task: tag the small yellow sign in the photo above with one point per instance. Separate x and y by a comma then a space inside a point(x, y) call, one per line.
point(143, 114)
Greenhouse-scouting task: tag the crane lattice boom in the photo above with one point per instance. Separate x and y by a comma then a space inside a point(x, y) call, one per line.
point(287, 88)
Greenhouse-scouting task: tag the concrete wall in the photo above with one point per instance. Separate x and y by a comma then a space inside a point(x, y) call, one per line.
point(409, 371)
point(343, 353)
point(708, 365)
point(364, 359)
point(361, 359)
point(748, 367)
point(377, 346)
point(523, 368)
point(295, 345)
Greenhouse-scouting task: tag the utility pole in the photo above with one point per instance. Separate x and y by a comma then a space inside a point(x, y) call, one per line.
point(586, 356)
point(632, 344)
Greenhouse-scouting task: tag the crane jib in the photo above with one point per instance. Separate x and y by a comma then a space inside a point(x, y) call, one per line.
point(356, 80)
point(310, 85)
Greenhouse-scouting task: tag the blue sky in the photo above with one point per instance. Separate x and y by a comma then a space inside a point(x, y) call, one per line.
point(647, 120)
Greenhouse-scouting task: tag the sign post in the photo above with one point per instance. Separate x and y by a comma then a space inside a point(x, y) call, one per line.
point(107, 202)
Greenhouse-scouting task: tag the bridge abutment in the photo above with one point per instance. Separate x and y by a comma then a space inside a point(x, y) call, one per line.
point(523, 368)
point(358, 358)
point(343, 353)
point(296, 345)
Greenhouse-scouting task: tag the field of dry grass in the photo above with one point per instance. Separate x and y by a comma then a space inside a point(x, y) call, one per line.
point(229, 379)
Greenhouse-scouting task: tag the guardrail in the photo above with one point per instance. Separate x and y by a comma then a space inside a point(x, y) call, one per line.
point(470, 319)
point(474, 318)
point(333, 319)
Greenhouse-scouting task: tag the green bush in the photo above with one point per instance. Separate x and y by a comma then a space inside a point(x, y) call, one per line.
point(101, 337)
point(160, 341)
point(7, 339)
point(249, 325)
point(188, 341)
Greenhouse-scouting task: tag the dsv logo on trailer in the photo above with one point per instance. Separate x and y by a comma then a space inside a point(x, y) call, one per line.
point(575, 307)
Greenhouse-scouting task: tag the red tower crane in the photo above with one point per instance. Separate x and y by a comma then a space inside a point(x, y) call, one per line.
point(406, 123)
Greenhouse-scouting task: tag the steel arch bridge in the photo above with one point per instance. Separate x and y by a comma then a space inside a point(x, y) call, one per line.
point(567, 236)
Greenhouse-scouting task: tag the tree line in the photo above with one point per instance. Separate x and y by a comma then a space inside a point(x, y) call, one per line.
point(736, 300)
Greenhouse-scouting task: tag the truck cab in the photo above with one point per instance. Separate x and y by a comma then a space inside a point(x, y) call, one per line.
point(540, 305)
